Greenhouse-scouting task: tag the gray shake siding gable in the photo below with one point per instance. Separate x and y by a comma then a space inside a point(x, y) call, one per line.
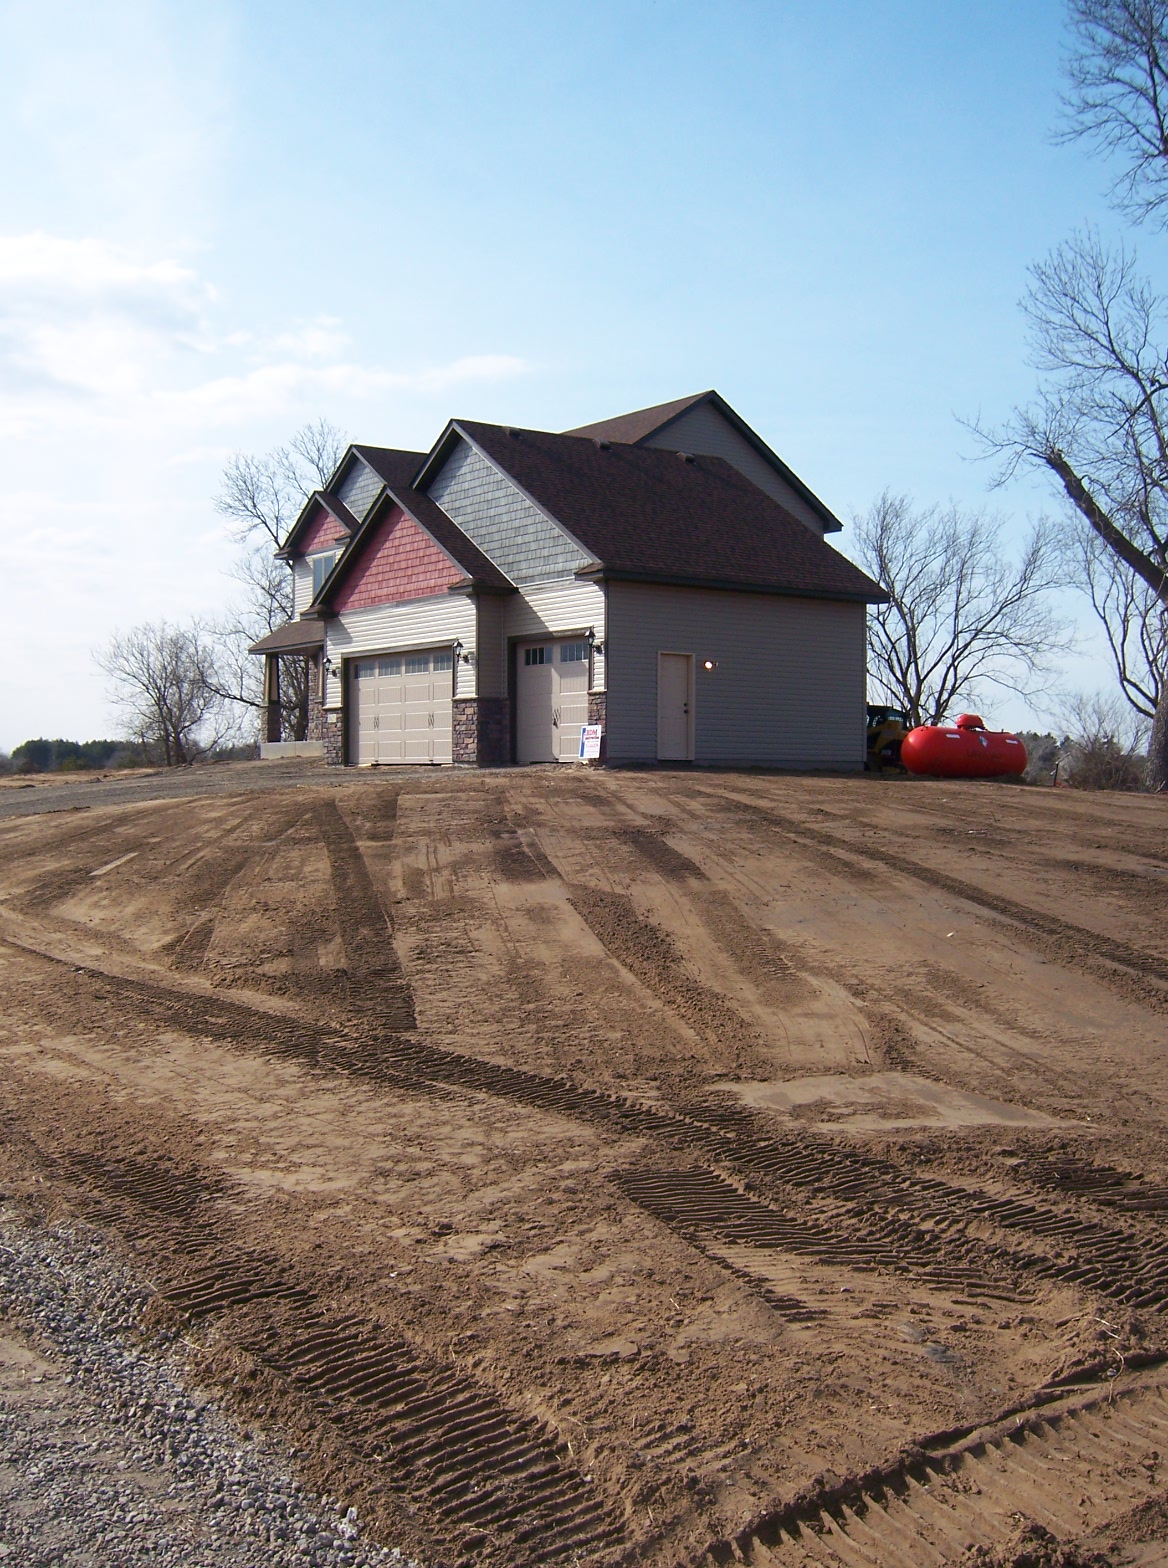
point(359, 488)
point(502, 522)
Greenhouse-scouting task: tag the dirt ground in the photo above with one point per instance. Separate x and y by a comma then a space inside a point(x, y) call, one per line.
point(601, 1167)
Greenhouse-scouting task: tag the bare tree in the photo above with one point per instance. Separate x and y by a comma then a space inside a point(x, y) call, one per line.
point(1128, 611)
point(1117, 95)
point(165, 681)
point(1102, 750)
point(263, 497)
point(1100, 428)
point(1100, 424)
point(960, 615)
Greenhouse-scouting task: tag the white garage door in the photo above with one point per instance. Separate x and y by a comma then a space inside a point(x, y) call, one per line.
point(401, 707)
point(551, 700)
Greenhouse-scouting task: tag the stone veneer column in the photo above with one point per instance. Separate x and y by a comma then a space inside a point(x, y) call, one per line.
point(598, 714)
point(482, 731)
point(315, 710)
point(333, 735)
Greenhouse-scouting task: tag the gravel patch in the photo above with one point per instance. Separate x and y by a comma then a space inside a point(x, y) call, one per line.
point(108, 1456)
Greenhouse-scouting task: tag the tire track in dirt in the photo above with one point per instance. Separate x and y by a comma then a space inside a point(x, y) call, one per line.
point(705, 1208)
point(870, 1191)
point(926, 1507)
point(1068, 943)
point(491, 1483)
point(653, 958)
point(377, 984)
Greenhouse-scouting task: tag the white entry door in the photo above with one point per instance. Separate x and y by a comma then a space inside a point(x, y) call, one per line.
point(674, 707)
point(401, 706)
point(551, 699)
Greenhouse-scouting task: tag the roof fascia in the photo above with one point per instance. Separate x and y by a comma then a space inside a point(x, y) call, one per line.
point(667, 580)
point(317, 498)
point(374, 517)
point(322, 603)
point(456, 429)
point(831, 522)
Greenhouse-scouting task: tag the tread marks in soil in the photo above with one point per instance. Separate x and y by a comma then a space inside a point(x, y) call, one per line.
point(649, 954)
point(920, 1510)
point(377, 985)
point(1103, 955)
point(494, 1483)
point(864, 1189)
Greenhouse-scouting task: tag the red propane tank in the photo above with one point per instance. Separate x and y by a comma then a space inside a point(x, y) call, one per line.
point(965, 750)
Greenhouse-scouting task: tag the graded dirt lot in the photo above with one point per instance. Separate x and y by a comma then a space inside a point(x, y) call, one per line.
point(593, 1167)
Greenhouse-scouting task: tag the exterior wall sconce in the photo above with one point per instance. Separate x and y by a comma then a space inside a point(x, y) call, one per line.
point(590, 636)
point(709, 664)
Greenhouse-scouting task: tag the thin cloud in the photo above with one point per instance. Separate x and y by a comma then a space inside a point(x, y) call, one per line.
point(92, 333)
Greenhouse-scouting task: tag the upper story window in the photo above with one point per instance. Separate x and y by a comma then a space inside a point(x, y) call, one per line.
point(322, 565)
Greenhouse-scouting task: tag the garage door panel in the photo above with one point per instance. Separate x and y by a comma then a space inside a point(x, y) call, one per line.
point(402, 707)
point(552, 680)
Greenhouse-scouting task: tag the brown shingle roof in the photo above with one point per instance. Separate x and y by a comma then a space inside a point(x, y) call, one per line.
point(642, 422)
point(292, 637)
point(481, 572)
point(395, 466)
point(637, 427)
point(646, 513)
point(335, 508)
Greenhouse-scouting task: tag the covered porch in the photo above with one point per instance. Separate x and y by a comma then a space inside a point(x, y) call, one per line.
point(293, 658)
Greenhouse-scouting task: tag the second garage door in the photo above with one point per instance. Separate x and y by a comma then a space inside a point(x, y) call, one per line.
point(401, 707)
point(551, 699)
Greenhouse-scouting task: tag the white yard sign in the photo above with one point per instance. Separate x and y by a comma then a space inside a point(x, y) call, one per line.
point(590, 741)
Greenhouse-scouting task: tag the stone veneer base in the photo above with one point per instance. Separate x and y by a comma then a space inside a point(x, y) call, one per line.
point(482, 731)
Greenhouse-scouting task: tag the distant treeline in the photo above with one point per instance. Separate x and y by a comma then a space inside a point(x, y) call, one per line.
point(75, 756)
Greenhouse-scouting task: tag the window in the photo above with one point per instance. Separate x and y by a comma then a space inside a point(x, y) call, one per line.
point(389, 666)
point(535, 656)
point(574, 653)
point(417, 663)
point(443, 660)
point(322, 565)
point(366, 668)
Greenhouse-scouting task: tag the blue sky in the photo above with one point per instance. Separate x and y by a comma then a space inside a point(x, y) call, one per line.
point(218, 221)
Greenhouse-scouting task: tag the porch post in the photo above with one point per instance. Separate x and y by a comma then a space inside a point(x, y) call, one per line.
point(272, 696)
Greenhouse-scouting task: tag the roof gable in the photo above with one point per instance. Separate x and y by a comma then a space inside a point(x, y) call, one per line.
point(399, 561)
point(650, 514)
point(481, 494)
point(690, 424)
point(322, 528)
point(308, 525)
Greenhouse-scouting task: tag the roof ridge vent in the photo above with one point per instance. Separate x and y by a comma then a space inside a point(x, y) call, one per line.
point(686, 457)
point(602, 446)
point(513, 432)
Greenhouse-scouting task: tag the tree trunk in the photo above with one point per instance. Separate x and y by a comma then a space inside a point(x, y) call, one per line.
point(1157, 775)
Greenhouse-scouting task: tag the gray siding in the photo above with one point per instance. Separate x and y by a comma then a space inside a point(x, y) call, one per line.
point(703, 430)
point(788, 691)
point(501, 521)
point(359, 488)
point(491, 669)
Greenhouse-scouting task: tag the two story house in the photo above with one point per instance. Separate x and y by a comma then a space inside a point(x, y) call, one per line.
point(662, 575)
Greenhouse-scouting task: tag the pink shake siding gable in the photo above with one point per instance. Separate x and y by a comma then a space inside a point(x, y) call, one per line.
point(402, 562)
point(323, 530)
